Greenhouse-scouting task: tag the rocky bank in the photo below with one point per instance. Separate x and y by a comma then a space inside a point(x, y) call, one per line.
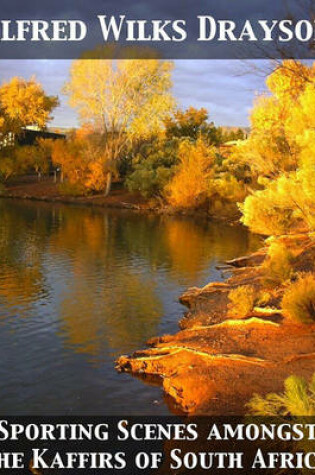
point(215, 363)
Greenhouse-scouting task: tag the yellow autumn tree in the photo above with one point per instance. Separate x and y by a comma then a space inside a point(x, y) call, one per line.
point(122, 100)
point(272, 147)
point(24, 103)
point(191, 185)
point(285, 155)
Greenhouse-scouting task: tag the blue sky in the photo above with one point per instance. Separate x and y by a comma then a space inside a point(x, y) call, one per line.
point(226, 88)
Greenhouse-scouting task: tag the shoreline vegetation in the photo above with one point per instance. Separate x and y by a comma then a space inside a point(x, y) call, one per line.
point(227, 351)
point(120, 198)
point(241, 337)
point(244, 339)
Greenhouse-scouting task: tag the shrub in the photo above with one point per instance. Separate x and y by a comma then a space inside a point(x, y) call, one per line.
point(270, 211)
point(153, 168)
point(229, 188)
point(191, 184)
point(149, 181)
point(298, 301)
point(278, 264)
point(263, 298)
point(298, 399)
point(242, 300)
point(95, 176)
point(10, 164)
point(83, 161)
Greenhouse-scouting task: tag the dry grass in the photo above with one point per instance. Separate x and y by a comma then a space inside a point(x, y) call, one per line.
point(242, 301)
point(298, 399)
point(278, 264)
point(298, 301)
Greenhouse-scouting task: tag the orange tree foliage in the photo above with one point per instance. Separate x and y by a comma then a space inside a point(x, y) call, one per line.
point(22, 103)
point(192, 184)
point(281, 151)
point(82, 160)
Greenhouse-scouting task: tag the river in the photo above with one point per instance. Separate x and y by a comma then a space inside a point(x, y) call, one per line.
point(81, 286)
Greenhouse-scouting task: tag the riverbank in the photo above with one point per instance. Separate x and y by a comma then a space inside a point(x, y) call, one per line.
point(28, 188)
point(216, 362)
point(46, 190)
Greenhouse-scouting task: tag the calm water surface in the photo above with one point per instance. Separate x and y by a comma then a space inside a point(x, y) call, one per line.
point(79, 287)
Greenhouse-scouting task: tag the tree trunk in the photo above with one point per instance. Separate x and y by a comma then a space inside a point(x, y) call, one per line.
point(108, 183)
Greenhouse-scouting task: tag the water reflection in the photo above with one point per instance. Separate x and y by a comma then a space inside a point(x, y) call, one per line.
point(79, 286)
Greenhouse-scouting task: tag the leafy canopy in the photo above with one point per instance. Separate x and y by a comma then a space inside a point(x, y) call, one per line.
point(24, 103)
point(280, 151)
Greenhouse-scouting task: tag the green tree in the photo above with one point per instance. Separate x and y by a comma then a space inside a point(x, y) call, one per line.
point(192, 123)
point(153, 167)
